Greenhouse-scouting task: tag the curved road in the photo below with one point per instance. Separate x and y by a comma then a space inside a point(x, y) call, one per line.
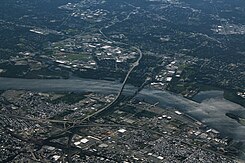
point(134, 65)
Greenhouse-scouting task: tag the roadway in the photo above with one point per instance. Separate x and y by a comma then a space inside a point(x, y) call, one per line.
point(134, 65)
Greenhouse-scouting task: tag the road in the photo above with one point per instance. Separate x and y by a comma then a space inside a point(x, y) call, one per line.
point(134, 65)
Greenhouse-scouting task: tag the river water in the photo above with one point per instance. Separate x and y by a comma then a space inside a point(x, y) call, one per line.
point(210, 108)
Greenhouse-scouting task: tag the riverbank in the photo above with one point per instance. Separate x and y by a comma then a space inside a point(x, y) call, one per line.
point(211, 111)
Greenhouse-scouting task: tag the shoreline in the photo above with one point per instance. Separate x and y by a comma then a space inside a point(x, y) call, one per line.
point(210, 111)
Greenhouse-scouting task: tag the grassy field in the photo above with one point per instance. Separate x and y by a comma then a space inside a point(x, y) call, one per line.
point(78, 56)
point(232, 96)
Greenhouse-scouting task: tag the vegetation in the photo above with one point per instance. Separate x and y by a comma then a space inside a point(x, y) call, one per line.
point(231, 95)
point(70, 98)
point(79, 56)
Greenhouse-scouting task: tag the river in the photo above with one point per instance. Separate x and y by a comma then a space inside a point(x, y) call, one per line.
point(210, 108)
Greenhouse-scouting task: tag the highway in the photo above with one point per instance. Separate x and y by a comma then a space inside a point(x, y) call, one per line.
point(35, 119)
point(134, 65)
